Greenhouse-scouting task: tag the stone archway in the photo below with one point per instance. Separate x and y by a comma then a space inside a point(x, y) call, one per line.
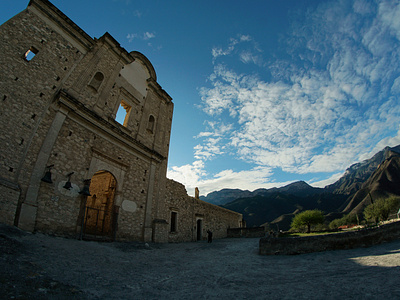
point(99, 217)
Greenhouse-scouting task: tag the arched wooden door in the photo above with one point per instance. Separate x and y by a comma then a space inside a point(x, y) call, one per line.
point(99, 216)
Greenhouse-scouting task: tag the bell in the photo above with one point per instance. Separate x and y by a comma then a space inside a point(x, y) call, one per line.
point(85, 191)
point(47, 177)
point(67, 185)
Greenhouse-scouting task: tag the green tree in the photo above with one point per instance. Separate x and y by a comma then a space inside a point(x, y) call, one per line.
point(348, 219)
point(307, 218)
point(381, 209)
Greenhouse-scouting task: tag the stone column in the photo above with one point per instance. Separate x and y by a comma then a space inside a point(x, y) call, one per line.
point(148, 219)
point(27, 216)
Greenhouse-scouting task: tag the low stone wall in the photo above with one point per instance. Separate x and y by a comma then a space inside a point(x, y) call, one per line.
point(253, 232)
point(346, 240)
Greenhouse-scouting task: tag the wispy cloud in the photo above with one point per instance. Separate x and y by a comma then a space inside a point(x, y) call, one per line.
point(148, 35)
point(323, 183)
point(335, 100)
point(213, 141)
point(194, 176)
point(339, 107)
point(137, 13)
point(246, 55)
point(143, 36)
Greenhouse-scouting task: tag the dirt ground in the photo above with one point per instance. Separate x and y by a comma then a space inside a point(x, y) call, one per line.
point(38, 266)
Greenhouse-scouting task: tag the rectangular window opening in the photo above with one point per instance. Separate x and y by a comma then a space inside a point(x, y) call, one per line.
point(174, 219)
point(31, 53)
point(123, 112)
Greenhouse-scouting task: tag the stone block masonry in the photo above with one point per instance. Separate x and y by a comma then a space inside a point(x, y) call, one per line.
point(190, 218)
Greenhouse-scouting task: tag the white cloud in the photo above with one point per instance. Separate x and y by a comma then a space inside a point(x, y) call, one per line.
point(204, 134)
point(148, 35)
point(323, 183)
point(246, 55)
point(389, 13)
point(317, 119)
point(335, 102)
point(213, 143)
point(144, 36)
point(188, 175)
point(216, 51)
point(208, 150)
point(245, 38)
point(191, 177)
point(131, 36)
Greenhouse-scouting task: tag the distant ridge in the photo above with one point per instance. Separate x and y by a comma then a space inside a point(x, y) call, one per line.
point(384, 182)
point(358, 173)
point(376, 177)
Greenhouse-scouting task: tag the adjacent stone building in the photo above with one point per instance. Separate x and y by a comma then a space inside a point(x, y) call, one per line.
point(68, 166)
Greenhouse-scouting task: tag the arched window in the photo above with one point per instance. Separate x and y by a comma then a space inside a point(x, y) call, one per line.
point(150, 125)
point(96, 81)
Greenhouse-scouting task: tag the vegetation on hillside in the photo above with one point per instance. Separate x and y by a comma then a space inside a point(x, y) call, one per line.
point(346, 220)
point(381, 209)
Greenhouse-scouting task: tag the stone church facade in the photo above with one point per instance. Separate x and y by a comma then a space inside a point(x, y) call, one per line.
point(68, 167)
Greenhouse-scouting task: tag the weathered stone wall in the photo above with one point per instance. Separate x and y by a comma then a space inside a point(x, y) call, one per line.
point(189, 210)
point(23, 110)
point(346, 240)
point(252, 232)
point(8, 202)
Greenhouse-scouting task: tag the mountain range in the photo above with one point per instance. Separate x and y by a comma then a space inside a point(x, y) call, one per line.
point(362, 182)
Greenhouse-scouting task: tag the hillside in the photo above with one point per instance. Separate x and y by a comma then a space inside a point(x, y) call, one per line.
point(378, 176)
point(225, 196)
point(358, 173)
point(384, 182)
point(272, 203)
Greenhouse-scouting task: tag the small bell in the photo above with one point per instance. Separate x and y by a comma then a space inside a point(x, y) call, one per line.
point(68, 184)
point(85, 190)
point(47, 177)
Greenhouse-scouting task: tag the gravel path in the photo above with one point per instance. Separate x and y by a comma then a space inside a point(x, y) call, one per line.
point(38, 266)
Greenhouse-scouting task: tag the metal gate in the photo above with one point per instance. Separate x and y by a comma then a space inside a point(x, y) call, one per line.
point(99, 223)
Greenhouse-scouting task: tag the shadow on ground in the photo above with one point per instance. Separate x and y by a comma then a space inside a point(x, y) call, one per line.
point(38, 266)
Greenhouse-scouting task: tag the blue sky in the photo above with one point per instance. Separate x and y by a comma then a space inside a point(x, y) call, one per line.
point(265, 92)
